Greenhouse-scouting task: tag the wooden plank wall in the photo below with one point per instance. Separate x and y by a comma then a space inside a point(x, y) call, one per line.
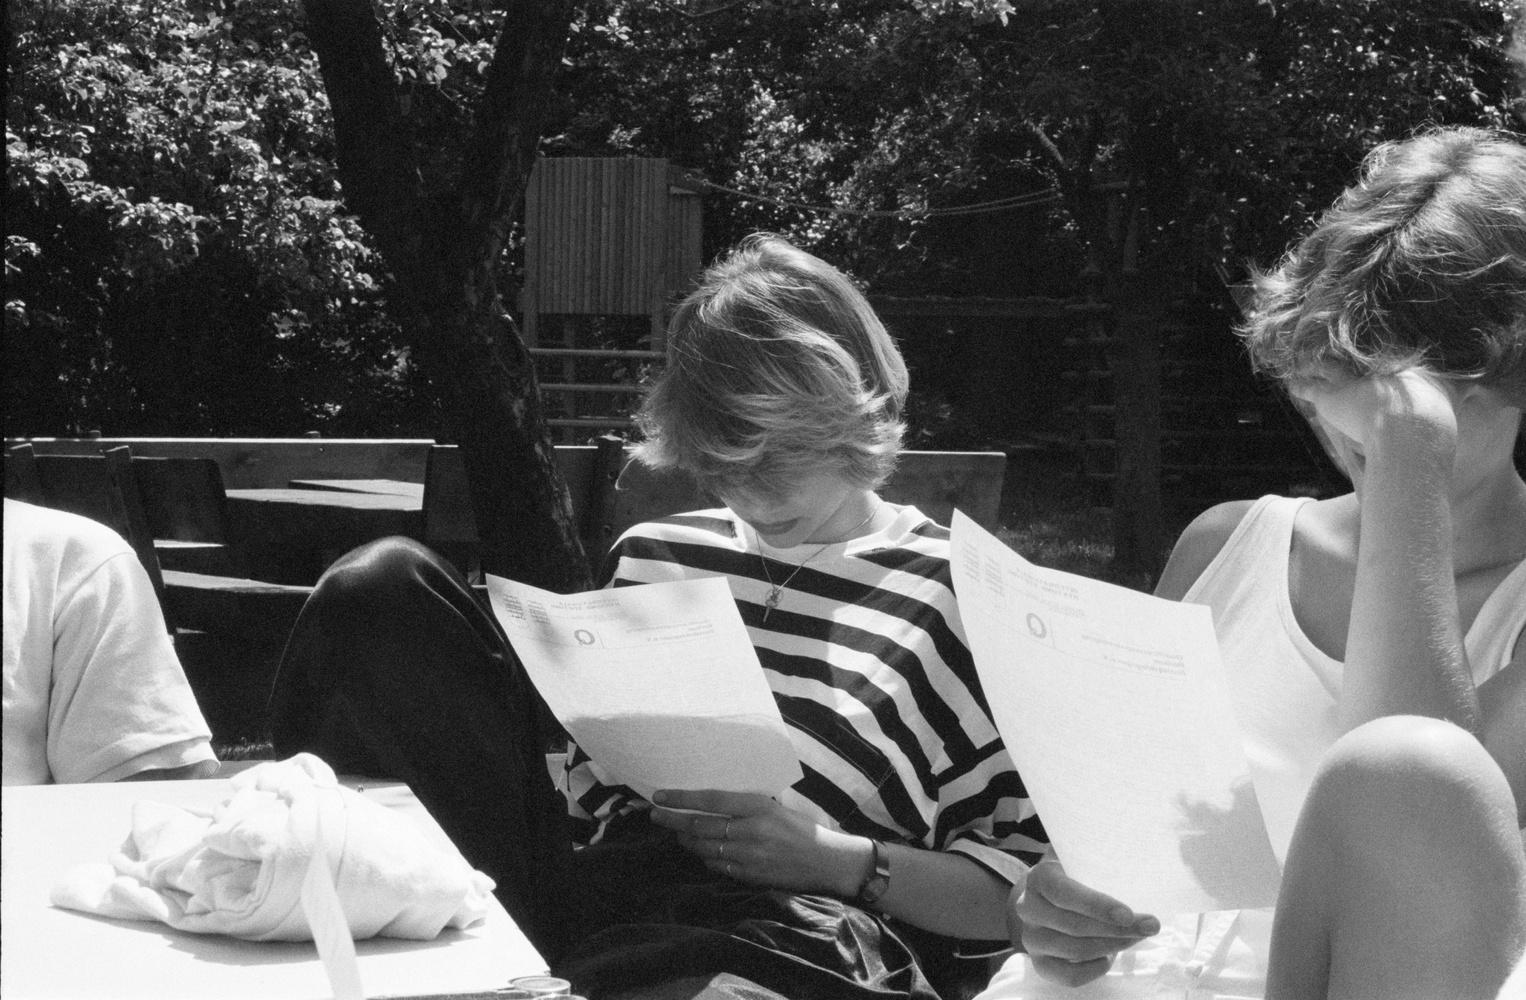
point(596, 235)
point(683, 254)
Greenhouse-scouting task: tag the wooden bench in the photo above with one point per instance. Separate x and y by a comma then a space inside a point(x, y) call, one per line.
point(249, 463)
point(232, 627)
point(617, 493)
point(229, 629)
point(100, 487)
point(935, 481)
point(172, 511)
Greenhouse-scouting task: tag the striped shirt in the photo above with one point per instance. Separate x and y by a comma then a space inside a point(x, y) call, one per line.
point(868, 662)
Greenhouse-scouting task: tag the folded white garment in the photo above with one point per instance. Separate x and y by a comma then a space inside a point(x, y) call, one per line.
point(239, 870)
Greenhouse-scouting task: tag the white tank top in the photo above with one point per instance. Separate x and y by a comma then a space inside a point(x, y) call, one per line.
point(1283, 687)
point(1285, 692)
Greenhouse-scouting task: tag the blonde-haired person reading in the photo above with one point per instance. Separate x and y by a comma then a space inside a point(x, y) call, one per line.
point(782, 395)
point(1375, 639)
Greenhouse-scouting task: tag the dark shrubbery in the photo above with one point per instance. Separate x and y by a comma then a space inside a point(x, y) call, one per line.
point(177, 261)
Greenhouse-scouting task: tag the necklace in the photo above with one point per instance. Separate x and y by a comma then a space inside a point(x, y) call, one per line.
point(776, 590)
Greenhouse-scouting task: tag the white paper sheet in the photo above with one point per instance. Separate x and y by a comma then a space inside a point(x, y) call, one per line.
point(1114, 706)
point(659, 684)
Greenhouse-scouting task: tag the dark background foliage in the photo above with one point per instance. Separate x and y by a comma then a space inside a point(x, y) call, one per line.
point(178, 260)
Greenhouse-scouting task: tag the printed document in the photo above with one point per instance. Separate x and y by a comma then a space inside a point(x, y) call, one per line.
point(1114, 706)
point(659, 684)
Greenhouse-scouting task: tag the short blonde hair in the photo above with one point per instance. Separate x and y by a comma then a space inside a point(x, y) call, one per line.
point(1420, 263)
point(777, 367)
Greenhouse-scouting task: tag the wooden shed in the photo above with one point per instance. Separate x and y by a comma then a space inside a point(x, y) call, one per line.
point(608, 236)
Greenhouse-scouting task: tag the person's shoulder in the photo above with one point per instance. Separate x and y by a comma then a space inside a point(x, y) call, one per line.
point(660, 539)
point(717, 523)
point(66, 535)
point(1200, 543)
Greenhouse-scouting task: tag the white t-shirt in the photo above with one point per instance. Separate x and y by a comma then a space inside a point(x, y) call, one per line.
point(1285, 693)
point(93, 688)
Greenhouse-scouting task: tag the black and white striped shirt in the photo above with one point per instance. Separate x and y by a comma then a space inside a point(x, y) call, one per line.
point(868, 661)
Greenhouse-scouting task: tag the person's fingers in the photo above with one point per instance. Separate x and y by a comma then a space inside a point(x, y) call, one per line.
point(1051, 884)
point(711, 801)
point(1038, 911)
point(731, 864)
point(705, 825)
point(1046, 941)
point(1071, 973)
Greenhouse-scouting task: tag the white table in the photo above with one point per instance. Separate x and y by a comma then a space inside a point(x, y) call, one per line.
point(47, 952)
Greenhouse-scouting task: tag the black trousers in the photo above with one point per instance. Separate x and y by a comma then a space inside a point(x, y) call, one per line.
point(396, 669)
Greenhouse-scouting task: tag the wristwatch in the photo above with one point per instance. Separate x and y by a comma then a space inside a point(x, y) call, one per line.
point(878, 879)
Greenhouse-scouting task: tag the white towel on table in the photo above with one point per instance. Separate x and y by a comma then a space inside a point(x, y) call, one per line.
point(239, 870)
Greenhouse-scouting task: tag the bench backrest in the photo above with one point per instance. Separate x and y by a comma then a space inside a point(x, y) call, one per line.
point(609, 493)
point(99, 486)
point(254, 463)
point(184, 497)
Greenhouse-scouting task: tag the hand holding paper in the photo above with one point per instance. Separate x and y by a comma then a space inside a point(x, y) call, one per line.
point(1114, 706)
point(659, 684)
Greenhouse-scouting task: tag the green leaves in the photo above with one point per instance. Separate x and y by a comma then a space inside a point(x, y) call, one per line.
point(171, 166)
point(172, 198)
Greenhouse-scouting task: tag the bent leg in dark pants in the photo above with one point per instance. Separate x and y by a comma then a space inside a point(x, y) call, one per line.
point(395, 669)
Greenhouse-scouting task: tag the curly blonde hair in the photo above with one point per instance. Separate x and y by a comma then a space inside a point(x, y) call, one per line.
point(777, 367)
point(1422, 262)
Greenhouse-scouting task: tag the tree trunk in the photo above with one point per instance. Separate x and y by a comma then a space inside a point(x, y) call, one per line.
point(1134, 356)
point(1112, 234)
point(444, 248)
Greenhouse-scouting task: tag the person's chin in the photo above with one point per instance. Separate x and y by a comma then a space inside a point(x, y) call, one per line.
point(783, 534)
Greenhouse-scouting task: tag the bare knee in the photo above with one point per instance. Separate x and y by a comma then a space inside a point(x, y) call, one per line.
point(1407, 863)
point(1411, 770)
point(1411, 807)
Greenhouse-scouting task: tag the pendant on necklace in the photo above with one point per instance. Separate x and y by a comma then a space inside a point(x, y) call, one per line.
point(775, 594)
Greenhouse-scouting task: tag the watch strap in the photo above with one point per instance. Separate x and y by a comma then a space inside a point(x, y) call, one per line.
point(878, 879)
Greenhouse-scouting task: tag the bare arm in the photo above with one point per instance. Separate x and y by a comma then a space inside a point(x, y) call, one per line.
point(755, 839)
point(1404, 646)
point(944, 892)
point(1198, 546)
point(200, 769)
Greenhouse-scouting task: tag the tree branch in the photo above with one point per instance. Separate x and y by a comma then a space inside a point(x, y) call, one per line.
point(677, 8)
point(374, 153)
point(443, 248)
point(510, 119)
point(1047, 144)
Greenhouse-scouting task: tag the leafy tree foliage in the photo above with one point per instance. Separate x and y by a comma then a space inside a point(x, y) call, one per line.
point(1245, 115)
point(172, 204)
point(1180, 139)
point(178, 259)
